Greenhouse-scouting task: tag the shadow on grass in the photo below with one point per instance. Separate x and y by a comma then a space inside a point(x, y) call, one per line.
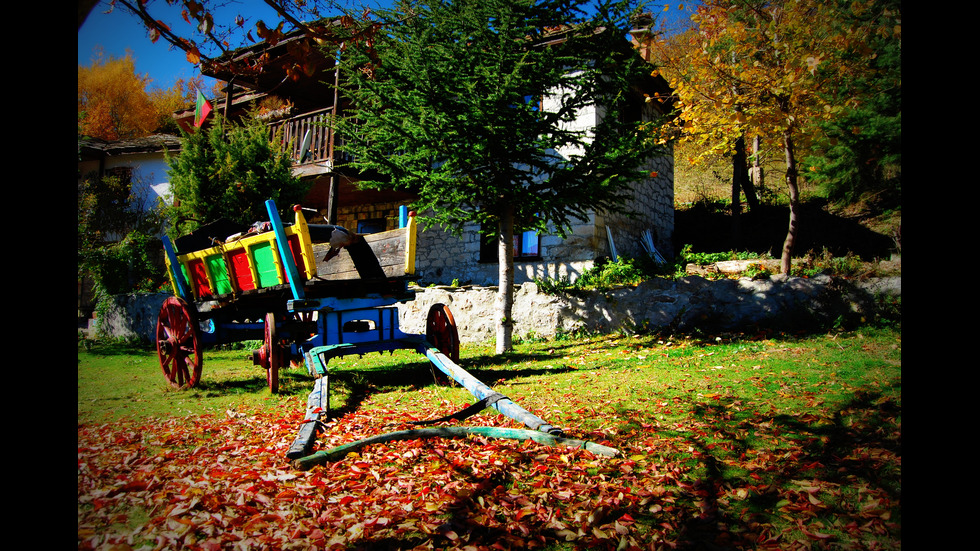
point(840, 473)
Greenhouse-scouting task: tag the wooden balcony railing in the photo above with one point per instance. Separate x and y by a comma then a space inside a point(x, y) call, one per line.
point(307, 137)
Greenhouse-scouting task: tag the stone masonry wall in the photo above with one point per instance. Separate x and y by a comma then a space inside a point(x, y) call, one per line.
point(653, 198)
point(683, 304)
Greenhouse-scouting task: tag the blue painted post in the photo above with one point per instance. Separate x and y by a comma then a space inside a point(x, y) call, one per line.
point(481, 391)
point(284, 254)
point(182, 289)
point(402, 216)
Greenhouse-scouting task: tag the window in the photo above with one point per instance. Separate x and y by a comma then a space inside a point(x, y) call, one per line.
point(527, 246)
point(371, 225)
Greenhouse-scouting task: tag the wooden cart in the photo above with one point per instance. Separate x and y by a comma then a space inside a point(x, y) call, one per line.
point(309, 293)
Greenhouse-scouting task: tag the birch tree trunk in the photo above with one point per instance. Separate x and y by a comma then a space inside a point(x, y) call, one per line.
point(505, 281)
point(757, 176)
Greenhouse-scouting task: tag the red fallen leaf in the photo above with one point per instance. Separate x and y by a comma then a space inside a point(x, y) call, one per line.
point(137, 486)
point(527, 511)
point(813, 535)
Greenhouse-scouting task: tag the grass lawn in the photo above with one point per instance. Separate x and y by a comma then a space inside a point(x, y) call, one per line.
point(734, 442)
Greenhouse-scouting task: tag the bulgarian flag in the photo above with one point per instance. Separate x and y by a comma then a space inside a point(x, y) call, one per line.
point(202, 110)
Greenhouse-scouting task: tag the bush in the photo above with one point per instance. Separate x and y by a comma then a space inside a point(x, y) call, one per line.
point(604, 275)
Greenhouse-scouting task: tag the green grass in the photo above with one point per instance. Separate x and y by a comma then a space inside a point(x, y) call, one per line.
point(803, 374)
point(784, 437)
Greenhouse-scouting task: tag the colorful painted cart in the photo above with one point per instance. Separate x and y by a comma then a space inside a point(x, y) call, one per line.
point(309, 293)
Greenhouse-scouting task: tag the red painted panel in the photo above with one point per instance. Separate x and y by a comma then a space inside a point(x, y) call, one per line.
point(297, 251)
point(199, 275)
point(240, 270)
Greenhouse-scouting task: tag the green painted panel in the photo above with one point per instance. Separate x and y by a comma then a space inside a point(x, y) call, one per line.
point(265, 264)
point(219, 274)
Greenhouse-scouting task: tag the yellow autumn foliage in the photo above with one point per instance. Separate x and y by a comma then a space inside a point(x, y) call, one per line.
point(114, 101)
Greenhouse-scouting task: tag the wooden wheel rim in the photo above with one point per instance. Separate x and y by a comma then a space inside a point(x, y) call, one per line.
point(179, 343)
point(440, 331)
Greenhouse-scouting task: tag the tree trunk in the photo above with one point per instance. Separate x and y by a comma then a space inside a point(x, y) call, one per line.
point(756, 178)
point(739, 171)
point(747, 186)
point(505, 281)
point(794, 196)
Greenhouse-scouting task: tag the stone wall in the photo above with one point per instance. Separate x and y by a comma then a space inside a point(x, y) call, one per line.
point(654, 198)
point(685, 304)
point(132, 316)
point(443, 257)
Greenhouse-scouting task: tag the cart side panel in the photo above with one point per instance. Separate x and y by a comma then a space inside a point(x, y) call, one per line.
point(184, 273)
point(390, 250)
point(303, 250)
point(297, 251)
point(218, 272)
point(266, 264)
point(241, 269)
point(199, 278)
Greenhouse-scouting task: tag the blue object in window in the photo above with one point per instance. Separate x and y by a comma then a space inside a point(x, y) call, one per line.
point(373, 225)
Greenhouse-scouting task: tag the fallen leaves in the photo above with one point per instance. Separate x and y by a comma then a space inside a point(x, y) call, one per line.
point(730, 476)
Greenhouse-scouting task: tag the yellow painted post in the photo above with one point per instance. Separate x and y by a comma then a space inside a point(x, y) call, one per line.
point(410, 245)
point(305, 241)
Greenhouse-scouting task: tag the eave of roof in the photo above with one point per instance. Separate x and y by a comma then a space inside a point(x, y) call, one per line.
point(148, 144)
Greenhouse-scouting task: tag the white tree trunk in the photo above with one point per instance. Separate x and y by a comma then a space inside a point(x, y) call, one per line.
point(505, 281)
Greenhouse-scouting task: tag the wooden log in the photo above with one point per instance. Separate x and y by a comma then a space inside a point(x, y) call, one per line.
point(732, 266)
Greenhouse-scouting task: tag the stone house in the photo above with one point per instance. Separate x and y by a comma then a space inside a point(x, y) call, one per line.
point(141, 161)
point(294, 107)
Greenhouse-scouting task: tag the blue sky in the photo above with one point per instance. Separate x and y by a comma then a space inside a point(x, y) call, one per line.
point(118, 31)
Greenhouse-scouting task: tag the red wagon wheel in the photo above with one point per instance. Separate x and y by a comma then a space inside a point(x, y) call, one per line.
point(270, 356)
point(179, 343)
point(440, 331)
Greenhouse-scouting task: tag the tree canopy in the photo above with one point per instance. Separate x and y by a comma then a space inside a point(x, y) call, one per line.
point(114, 102)
point(471, 104)
point(779, 69)
point(228, 170)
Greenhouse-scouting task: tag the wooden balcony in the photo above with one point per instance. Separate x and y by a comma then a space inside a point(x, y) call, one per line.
point(311, 144)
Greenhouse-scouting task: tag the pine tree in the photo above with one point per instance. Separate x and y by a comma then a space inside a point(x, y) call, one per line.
point(228, 170)
point(469, 104)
